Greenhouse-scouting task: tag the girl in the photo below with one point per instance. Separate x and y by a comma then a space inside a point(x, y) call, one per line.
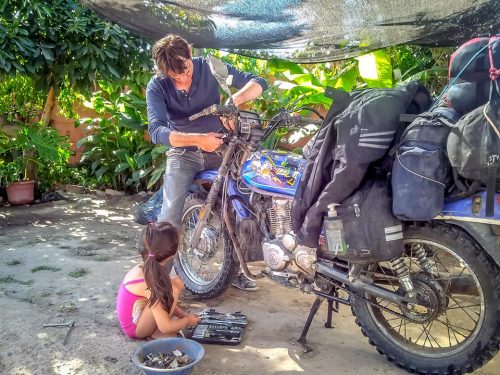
point(147, 300)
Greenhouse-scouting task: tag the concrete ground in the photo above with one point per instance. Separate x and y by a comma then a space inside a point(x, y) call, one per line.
point(64, 260)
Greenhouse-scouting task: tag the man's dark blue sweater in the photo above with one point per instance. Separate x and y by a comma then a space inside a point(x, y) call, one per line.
point(169, 108)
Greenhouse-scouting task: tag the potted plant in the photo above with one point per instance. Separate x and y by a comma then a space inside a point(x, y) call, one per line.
point(34, 144)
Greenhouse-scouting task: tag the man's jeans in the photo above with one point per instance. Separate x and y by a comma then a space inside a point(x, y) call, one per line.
point(182, 166)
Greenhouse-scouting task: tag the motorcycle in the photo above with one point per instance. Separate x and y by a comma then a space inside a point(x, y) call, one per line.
point(435, 309)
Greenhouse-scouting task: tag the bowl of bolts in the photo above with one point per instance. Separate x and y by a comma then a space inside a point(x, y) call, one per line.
point(173, 355)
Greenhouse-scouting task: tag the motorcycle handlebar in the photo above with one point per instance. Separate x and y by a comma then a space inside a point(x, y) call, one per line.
point(215, 109)
point(299, 120)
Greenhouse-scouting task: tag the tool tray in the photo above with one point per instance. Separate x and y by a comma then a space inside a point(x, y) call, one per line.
point(218, 328)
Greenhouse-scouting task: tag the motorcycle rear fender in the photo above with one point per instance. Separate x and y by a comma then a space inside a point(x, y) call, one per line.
point(484, 236)
point(210, 175)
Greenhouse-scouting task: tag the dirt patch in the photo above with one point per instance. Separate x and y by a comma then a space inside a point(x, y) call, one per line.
point(81, 248)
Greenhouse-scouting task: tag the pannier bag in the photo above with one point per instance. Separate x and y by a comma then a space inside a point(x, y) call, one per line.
point(474, 146)
point(370, 231)
point(469, 69)
point(421, 171)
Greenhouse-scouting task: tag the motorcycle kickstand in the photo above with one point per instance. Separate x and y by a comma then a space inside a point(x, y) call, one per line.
point(302, 339)
point(331, 309)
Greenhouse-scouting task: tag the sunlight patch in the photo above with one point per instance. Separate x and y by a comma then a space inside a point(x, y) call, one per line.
point(71, 366)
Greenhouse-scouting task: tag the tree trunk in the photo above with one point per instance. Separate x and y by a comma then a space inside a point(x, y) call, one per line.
point(7, 128)
point(50, 103)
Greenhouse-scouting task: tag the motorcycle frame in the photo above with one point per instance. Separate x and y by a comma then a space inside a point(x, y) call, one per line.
point(231, 198)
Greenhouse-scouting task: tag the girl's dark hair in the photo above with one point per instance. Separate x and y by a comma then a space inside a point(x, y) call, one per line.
point(161, 241)
point(170, 54)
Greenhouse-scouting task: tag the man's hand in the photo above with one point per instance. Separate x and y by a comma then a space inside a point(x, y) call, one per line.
point(228, 123)
point(210, 142)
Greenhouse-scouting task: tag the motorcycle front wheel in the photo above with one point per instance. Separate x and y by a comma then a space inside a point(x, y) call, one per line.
point(208, 270)
point(459, 329)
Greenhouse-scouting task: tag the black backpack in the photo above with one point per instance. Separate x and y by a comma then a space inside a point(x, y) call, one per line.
point(421, 172)
point(474, 146)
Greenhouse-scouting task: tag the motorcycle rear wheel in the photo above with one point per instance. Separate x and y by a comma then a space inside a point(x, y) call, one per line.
point(208, 271)
point(461, 332)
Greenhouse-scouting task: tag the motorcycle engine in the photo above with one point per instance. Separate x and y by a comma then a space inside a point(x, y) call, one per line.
point(284, 255)
point(280, 221)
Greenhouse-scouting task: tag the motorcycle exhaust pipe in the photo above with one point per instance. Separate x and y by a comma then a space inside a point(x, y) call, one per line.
point(360, 285)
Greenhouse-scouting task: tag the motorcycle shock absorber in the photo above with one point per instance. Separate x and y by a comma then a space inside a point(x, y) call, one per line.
point(403, 274)
point(419, 253)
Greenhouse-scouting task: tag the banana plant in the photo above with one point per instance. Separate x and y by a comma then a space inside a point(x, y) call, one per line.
point(116, 149)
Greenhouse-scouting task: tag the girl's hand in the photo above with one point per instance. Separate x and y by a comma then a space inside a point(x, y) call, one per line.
point(192, 320)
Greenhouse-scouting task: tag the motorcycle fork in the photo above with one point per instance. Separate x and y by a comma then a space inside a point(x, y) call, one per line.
point(213, 194)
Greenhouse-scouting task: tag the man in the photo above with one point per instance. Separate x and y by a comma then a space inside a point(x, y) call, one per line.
point(182, 87)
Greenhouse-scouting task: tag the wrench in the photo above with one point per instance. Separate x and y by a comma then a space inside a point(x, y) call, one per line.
point(69, 324)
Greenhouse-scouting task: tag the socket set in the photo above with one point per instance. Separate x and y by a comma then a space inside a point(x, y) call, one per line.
point(218, 328)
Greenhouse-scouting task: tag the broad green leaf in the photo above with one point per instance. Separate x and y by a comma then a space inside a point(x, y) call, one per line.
point(375, 69)
point(121, 167)
point(347, 80)
point(121, 153)
point(47, 53)
point(95, 164)
point(113, 70)
point(155, 176)
point(143, 159)
point(159, 150)
point(130, 161)
point(101, 171)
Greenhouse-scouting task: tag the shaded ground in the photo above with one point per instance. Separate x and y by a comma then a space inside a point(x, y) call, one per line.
point(80, 251)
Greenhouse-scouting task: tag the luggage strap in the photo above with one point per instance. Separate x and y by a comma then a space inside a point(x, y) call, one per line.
point(494, 159)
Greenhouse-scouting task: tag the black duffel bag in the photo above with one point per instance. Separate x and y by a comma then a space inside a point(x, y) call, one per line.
point(474, 146)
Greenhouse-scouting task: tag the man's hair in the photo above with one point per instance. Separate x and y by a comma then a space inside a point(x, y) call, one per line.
point(170, 54)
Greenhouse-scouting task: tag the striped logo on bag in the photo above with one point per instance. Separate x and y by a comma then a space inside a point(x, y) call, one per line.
point(381, 140)
point(393, 233)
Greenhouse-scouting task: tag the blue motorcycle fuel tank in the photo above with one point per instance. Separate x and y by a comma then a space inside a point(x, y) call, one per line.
point(275, 172)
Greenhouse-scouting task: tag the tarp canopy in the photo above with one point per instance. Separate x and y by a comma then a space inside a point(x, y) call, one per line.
point(305, 30)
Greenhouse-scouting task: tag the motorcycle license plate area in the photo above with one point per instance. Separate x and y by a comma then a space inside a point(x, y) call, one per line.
point(273, 171)
point(218, 328)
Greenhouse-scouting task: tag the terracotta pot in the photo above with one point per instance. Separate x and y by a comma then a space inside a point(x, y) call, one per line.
point(21, 192)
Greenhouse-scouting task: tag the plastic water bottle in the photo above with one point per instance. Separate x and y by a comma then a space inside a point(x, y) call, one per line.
point(334, 231)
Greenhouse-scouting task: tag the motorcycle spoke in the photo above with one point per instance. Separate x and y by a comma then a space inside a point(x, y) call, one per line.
point(388, 279)
point(457, 320)
point(454, 307)
point(202, 265)
point(456, 329)
point(441, 263)
point(421, 333)
point(434, 257)
point(450, 329)
point(464, 310)
point(403, 323)
point(429, 334)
